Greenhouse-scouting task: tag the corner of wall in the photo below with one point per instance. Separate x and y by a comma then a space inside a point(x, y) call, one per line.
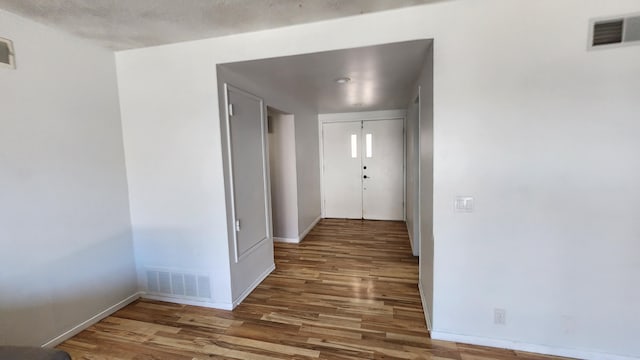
point(309, 228)
point(425, 307)
point(91, 321)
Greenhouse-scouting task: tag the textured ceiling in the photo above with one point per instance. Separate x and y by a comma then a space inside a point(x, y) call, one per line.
point(126, 24)
point(382, 76)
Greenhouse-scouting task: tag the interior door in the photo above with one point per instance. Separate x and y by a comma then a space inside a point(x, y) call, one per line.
point(342, 169)
point(383, 169)
point(249, 175)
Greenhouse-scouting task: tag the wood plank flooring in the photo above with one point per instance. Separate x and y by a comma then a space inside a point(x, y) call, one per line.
point(349, 291)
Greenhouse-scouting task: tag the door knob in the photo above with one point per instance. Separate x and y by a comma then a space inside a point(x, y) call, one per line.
point(366, 177)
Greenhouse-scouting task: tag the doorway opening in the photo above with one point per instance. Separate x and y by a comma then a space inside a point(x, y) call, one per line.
point(282, 166)
point(363, 169)
point(366, 83)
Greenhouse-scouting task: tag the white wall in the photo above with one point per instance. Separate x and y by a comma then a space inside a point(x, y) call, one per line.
point(540, 131)
point(308, 168)
point(282, 166)
point(64, 218)
point(176, 177)
point(174, 166)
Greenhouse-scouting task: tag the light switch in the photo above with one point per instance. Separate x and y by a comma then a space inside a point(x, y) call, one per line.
point(464, 204)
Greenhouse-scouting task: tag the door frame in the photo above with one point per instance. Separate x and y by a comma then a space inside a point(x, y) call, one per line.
point(361, 116)
point(265, 170)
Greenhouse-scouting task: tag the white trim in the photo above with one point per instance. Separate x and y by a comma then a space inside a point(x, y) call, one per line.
point(521, 346)
point(91, 321)
point(321, 164)
point(287, 240)
point(425, 308)
point(229, 154)
point(309, 228)
point(418, 215)
point(414, 249)
point(187, 301)
point(250, 250)
point(299, 239)
point(362, 116)
point(404, 167)
point(253, 286)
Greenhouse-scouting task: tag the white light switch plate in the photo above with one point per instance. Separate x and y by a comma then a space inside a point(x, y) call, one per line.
point(464, 204)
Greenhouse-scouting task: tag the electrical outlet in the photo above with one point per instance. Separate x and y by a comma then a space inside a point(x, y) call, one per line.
point(499, 316)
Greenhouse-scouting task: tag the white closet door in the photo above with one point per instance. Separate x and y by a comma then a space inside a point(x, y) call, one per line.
point(247, 153)
point(342, 169)
point(383, 170)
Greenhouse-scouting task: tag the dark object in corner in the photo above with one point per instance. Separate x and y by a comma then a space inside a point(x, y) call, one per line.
point(31, 353)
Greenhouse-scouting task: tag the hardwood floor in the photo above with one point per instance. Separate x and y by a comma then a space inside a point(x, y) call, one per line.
point(349, 291)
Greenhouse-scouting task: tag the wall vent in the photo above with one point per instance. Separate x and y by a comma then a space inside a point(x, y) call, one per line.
point(615, 31)
point(7, 55)
point(162, 282)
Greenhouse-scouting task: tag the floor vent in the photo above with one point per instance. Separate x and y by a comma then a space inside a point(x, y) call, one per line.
point(615, 31)
point(180, 284)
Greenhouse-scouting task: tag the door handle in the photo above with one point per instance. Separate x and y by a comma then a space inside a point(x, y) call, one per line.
point(366, 177)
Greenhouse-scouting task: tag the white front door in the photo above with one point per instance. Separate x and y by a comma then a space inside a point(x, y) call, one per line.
point(342, 174)
point(363, 169)
point(383, 170)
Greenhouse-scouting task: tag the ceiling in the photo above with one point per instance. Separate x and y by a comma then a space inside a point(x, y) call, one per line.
point(126, 24)
point(382, 76)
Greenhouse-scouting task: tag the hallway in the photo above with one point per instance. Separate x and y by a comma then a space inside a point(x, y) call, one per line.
point(348, 291)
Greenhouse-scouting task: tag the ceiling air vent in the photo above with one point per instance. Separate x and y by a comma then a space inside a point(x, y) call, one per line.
point(7, 59)
point(615, 31)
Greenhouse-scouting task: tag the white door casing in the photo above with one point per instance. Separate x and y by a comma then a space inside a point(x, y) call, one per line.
point(249, 177)
point(347, 193)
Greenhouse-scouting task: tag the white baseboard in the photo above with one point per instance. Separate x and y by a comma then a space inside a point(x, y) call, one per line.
point(410, 238)
point(308, 229)
point(520, 346)
point(298, 239)
point(414, 251)
point(187, 301)
point(91, 321)
point(254, 285)
point(287, 240)
point(425, 308)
